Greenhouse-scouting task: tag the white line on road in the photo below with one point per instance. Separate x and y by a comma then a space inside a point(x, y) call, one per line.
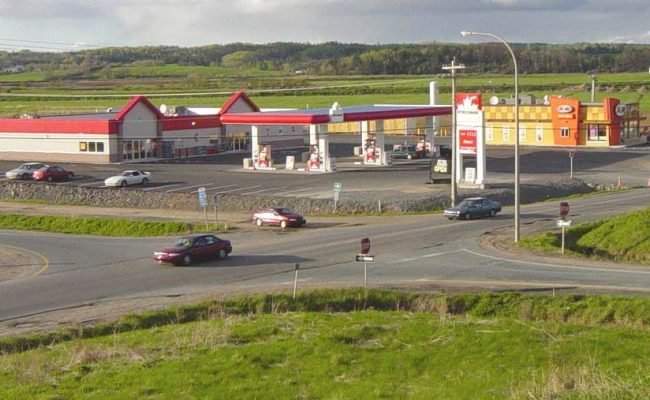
point(293, 191)
point(159, 187)
point(218, 187)
point(187, 187)
point(242, 188)
point(263, 190)
point(423, 257)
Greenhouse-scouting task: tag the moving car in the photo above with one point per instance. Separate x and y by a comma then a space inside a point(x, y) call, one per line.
point(188, 249)
point(52, 173)
point(128, 178)
point(24, 171)
point(278, 216)
point(473, 207)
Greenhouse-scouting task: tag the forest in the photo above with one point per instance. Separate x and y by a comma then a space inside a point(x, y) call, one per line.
point(334, 58)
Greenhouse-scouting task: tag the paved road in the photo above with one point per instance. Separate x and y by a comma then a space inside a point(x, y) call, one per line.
point(411, 251)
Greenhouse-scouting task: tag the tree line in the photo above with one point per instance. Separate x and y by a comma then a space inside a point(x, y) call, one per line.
point(334, 58)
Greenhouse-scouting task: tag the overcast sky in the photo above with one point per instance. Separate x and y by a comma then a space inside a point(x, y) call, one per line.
point(56, 24)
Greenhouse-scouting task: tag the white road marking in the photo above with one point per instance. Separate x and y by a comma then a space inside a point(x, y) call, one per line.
point(219, 187)
point(293, 191)
point(187, 187)
point(599, 269)
point(242, 188)
point(263, 190)
point(423, 257)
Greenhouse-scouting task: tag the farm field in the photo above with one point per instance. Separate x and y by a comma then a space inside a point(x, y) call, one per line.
point(58, 93)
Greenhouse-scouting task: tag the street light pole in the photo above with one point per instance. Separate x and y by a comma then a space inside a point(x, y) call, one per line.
point(453, 67)
point(514, 60)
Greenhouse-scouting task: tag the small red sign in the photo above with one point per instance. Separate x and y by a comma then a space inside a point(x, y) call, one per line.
point(467, 141)
point(365, 246)
point(564, 208)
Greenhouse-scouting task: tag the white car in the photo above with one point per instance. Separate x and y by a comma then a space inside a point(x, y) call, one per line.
point(24, 171)
point(128, 178)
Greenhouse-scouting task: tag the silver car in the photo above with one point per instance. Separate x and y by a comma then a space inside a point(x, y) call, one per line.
point(24, 171)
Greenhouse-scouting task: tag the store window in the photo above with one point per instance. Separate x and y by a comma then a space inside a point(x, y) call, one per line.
point(597, 133)
point(489, 134)
point(505, 133)
point(539, 134)
point(522, 134)
point(91, 147)
point(564, 133)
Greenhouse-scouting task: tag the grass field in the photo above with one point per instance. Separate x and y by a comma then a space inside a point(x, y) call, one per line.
point(348, 345)
point(624, 238)
point(102, 226)
point(51, 93)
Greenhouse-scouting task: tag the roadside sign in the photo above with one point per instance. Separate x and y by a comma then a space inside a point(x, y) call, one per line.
point(564, 208)
point(561, 223)
point(365, 246)
point(203, 198)
point(337, 187)
point(365, 258)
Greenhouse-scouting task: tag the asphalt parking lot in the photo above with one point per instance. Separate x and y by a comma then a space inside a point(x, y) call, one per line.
point(224, 173)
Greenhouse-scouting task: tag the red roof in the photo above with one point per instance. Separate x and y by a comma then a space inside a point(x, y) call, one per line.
point(134, 101)
point(234, 98)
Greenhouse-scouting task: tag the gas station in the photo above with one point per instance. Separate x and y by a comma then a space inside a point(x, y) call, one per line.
point(318, 120)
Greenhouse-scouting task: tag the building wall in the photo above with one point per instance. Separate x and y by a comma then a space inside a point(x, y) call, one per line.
point(563, 122)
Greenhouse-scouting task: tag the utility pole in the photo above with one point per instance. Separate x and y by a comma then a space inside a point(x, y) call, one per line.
point(453, 67)
point(593, 88)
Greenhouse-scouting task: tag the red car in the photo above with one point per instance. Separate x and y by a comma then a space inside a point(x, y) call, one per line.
point(52, 173)
point(278, 216)
point(189, 249)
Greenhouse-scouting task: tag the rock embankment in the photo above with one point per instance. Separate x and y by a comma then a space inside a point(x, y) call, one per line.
point(350, 202)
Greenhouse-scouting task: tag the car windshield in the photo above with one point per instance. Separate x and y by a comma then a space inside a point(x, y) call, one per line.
point(183, 242)
point(466, 203)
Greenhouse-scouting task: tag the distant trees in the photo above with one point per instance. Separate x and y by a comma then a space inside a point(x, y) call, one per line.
point(333, 58)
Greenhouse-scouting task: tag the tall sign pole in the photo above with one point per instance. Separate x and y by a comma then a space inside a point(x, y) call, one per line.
point(454, 153)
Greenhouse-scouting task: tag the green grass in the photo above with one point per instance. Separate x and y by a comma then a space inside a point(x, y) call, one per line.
point(349, 345)
point(157, 82)
point(102, 226)
point(624, 238)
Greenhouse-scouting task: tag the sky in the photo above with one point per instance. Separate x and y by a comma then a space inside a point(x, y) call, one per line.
point(55, 25)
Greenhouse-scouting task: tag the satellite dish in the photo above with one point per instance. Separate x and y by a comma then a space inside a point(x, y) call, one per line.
point(163, 109)
point(494, 100)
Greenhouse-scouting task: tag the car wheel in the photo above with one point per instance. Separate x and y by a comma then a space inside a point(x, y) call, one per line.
point(493, 212)
point(145, 181)
point(283, 224)
point(25, 176)
point(258, 222)
point(468, 216)
point(49, 179)
point(222, 254)
point(187, 260)
point(409, 157)
point(123, 184)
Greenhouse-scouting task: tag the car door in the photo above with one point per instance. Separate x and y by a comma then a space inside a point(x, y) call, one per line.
point(200, 249)
point(133, 178)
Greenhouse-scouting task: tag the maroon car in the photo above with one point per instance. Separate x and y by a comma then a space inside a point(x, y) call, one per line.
point(189, 249)
point(52, 173)
point(278, 216)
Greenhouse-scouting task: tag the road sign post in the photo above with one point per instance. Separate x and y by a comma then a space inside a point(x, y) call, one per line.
point(203, 202)
point(338, 186)
point(572, 154)
point(561, 223)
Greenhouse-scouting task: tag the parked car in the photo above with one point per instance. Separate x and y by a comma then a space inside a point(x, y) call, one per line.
point(473, 207)
point(407, 152)
point(188, 249)
point(278, 216)
point(52, 173)
point(128, 178)
point(24, 171)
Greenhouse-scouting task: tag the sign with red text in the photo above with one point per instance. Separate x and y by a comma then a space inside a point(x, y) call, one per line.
point(467, 141)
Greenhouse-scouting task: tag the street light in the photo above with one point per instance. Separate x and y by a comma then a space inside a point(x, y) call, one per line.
point(454, 188)
point(514, 60)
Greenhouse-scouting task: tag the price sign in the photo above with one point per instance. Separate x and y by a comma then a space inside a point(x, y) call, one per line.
point(203, 198)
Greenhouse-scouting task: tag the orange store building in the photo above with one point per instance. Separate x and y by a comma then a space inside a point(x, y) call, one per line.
point(561, 121)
